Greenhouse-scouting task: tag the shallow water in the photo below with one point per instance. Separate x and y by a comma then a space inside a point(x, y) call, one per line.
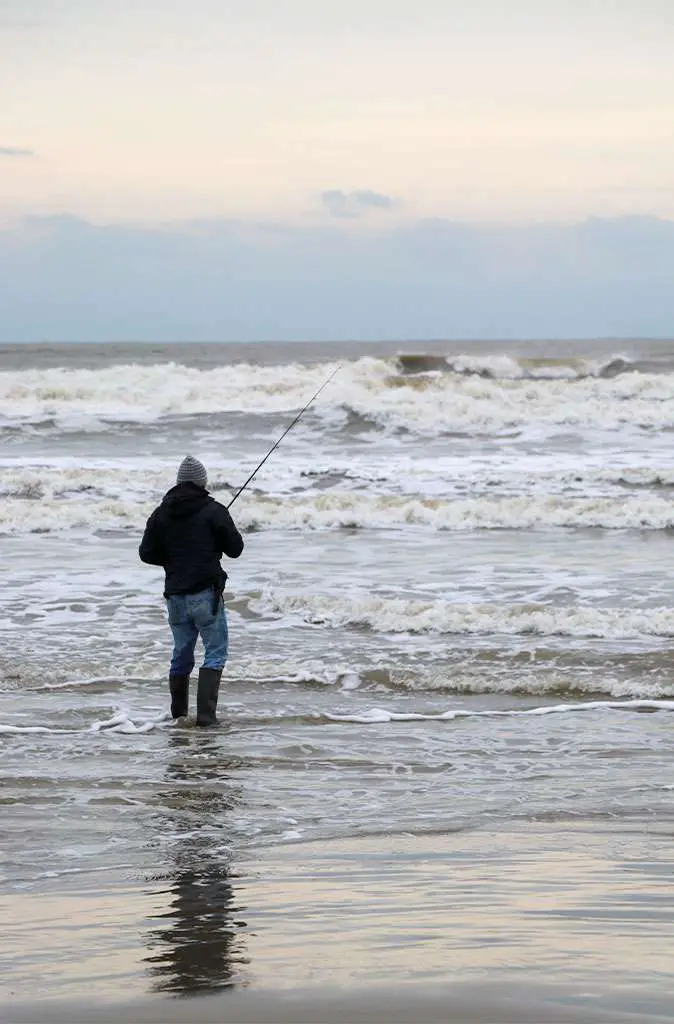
point(453, 613)
point(517, 924)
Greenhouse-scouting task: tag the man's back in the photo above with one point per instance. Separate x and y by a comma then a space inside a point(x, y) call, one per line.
point(187, 535)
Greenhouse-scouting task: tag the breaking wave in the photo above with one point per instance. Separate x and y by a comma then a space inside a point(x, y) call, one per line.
point(506, 367)
point(397, 615)
point(538, 671)
point(30, 511)
point(471, 395)
point(363, 511)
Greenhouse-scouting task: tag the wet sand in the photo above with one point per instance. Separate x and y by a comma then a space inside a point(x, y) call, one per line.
point(546, 922)
point(460, 1004)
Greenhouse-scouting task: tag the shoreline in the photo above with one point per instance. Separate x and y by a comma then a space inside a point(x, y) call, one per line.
point(404, 1004)
point(536, 920)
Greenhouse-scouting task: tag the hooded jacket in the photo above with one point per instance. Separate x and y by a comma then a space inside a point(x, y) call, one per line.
point(187, 535)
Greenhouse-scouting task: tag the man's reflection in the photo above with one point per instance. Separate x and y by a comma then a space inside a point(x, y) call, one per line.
point(200, 948)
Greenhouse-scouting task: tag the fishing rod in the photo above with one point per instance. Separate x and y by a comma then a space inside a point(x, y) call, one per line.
point(286, 431)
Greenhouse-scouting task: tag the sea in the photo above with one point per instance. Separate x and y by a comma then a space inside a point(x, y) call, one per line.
point(454, 611)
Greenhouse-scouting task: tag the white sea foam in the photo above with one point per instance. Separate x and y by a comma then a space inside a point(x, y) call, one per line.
point(39, 510)
point(397, 615)
point(372, 389)
point(469, 676)
point(122, 722)
point(145, 393)
point(350, 510)
point(380, 716)
point(379, 469)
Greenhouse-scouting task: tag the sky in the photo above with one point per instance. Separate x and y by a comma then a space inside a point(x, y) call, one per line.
point(169, 109)
point(360, 117)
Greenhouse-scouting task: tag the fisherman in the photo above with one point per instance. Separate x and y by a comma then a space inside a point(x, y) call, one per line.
point(187, 535)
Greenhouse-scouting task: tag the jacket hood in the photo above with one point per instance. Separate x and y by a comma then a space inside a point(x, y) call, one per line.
point(185, 500)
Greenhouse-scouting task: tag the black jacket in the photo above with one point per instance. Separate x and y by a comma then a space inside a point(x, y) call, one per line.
point(188, 535)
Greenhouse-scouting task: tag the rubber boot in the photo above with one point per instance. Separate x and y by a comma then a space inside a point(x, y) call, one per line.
point(207, 695)
point(180, 689)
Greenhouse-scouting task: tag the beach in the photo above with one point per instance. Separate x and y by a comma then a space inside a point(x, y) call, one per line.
point(442, 789)
point(531, 924)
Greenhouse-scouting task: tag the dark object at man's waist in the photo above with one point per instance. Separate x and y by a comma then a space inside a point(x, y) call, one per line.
point(175, 588)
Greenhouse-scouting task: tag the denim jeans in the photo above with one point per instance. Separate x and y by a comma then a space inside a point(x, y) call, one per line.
point(190, 617)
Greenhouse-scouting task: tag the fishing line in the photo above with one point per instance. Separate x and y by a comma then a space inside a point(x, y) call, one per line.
point(286, 431)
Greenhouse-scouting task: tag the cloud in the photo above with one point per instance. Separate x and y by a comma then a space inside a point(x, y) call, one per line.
point(233, 281)
point(354, 204)
point(14, 25)
point(14, 151)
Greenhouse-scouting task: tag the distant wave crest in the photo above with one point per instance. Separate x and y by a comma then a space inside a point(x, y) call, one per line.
point(424, 394)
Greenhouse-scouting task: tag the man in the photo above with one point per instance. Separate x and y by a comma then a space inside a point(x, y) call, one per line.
point(187, 535)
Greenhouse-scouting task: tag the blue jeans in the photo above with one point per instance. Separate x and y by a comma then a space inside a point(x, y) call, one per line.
point(190, 617)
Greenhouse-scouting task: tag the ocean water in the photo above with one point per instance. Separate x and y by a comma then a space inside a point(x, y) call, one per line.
point(455, 608)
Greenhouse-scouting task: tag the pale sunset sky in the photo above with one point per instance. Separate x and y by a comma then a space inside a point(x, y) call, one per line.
point(432, 167)
point(469, 109)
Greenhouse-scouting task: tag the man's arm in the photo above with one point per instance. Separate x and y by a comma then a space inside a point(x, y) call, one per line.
point(228, 539)
point(151, 549)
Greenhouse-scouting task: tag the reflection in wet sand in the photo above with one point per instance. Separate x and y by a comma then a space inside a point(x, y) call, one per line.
point(199, 948)
point(583, 909)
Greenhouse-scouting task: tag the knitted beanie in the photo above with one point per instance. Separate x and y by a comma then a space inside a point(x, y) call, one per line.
point(193, 471)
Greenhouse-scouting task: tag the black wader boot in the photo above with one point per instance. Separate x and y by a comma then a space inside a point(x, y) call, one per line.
point(207, 695)
point(180, 688)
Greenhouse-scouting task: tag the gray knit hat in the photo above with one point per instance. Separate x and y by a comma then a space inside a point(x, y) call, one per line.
point(193, 471)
